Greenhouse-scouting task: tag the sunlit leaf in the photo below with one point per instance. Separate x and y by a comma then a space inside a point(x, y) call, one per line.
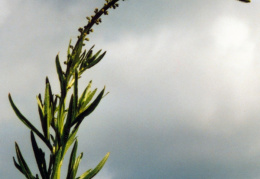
point(47, 111)
point(72, 160)
point(93, 172)
point(98, 59)
point(90, 109)
point(27, 123)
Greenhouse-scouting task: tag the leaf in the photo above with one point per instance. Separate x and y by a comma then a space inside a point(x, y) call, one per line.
point(84, 94)
point(61, 77)
point(68, 51)
point(96, 60)
point(71, 139)
point(47, 110)
point(41, 113)
point(17, 166)
point(40, 157)
point(66, 128)
point(85, 98)
point(90, 51)
point(24, 167)
point(27, 123)
point(246, 1)
point(39, 102)
point(89, 110)
point(92, 173)
point(76, 165)
point(91, 59)
point(76, 52)
point(84, 174)
point(87, 56)
point(57, 165)
point(72, 160)
point(75, 96)
point(89, 97)
point(54, 110)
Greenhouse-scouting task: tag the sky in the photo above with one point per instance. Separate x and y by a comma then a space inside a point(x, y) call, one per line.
point(183, 80)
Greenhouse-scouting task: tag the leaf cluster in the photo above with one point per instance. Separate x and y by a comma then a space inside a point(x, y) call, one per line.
point(60, 122)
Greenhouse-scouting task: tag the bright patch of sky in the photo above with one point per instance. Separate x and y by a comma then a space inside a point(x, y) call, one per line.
point(4, 11)
point(230, 33)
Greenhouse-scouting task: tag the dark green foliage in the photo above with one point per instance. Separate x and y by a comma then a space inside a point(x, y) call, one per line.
point(246, 1)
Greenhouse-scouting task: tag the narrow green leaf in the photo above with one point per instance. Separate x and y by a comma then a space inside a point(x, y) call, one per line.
point(72, 160)
point(98, 59)
point(90, 109)
point(57, 165)
point(76, 53)
point(84, 174)
point(50, 91)
point(246, 1)
point(40, 158)
point(91, 59)
point(76, 165)
point(67, 125)
point(17, 166)
point(92, 173)
point(27, 123)
point(75, 96)
point(22, 163)
point(68, 51)
point(87, 57)
point(90, 51)
point(47, 111)
point(51, 163)
point(85, 92)
point(39, 102)
point(54, 110)
point(81, 58)
point(61, 77)
point(71, 139)
point(88, 98)
point(41, 113)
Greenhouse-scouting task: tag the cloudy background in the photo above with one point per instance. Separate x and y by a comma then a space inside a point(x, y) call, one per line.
point(183, 77)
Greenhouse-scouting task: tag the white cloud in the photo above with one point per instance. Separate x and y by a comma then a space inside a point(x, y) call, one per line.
point(230, 33)
point(4, 11)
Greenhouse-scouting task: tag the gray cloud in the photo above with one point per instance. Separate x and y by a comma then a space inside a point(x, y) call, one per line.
point(183, 100)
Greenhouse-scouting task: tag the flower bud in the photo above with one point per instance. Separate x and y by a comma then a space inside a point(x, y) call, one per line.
point(80, 29)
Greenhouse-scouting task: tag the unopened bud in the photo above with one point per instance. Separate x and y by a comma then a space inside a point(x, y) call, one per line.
point(80, 29)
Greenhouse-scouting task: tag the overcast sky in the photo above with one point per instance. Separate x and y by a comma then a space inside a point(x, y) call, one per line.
point(183, 77)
